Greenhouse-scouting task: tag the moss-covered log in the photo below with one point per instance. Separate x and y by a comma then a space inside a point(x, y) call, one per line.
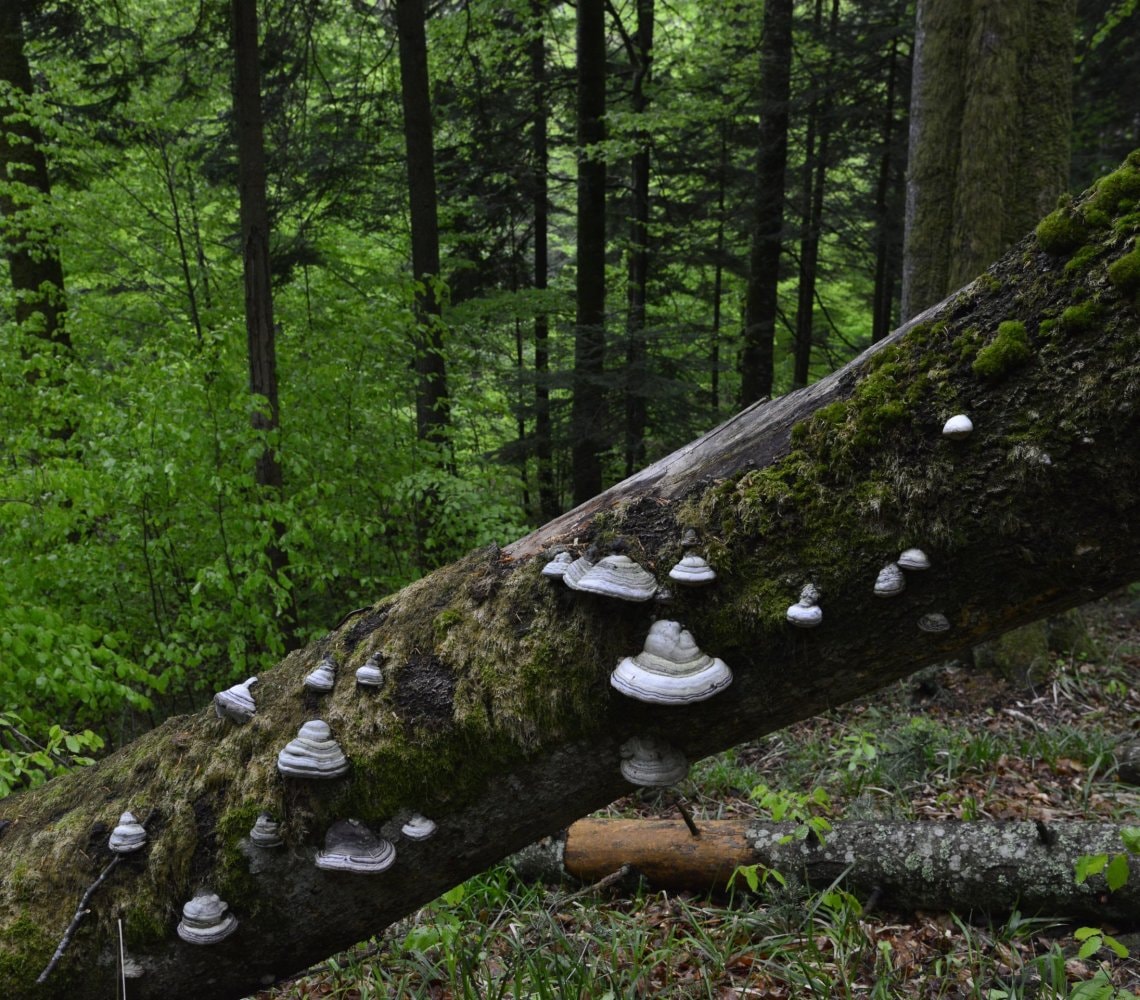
point(982, 867)
point(497, 719)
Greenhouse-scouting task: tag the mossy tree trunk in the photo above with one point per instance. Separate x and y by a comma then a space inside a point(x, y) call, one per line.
point(497, 719)
point(991, 112)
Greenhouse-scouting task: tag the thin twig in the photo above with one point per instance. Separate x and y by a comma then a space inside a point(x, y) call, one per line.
point(610, 879)
point(687, 817)
point(80, 913)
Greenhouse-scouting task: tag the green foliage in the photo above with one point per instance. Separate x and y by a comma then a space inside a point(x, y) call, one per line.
point(804, 809)
point(26, 763)
point(1009, 349)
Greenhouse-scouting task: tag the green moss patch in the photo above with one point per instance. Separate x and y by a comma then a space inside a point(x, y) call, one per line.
point(1061, 232)
point(1125, 274)
point(1008, 350)
point(1081, 318)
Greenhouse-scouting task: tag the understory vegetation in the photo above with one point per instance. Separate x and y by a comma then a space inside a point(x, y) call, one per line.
point(954, 742)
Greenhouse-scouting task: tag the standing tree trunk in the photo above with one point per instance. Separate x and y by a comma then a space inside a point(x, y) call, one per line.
point(888, 207)
point(811, 213)
point(496, 717)
point(991, 111)
point(259, 325)
point(636, 361)
point(432, 400)
point(587, 409)
point(761, 299)
point(28, 243)
point(543, 433)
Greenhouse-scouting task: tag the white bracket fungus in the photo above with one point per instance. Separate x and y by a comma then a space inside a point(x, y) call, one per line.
point(652, 763)
point(418, 827)
point(692, 571)
point(671, 669)
point(313, 753)
point(322, 678)
point(128, 837)
point(351, 847)
point(579, 568)
point(913, 559)
point(935, 622)
point(890, 582)
point(266, 832)
point(205, 920)
point(958, 426)
point(236, 703)
point(558, 565)
point(806, 612)
point(618, 576)
point(370, 674)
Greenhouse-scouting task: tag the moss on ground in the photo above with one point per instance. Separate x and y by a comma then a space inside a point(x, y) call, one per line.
point(1125, 274)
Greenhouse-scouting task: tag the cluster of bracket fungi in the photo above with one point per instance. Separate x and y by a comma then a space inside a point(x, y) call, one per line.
point(671, 669)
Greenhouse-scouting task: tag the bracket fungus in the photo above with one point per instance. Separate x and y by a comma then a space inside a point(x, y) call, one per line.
point(652, 763)
point(934, 622)
point(913, 559)
point(128, 837)
point(692, 571)
point(236, 703)
point(618, 576)
point(266, 832)
point(890, 582)
point(322, 678)
point(579, 568)
point(671, 669)
point(205, 920)
point(418, 827)
point(351, 847)
point(689, 539)
point(558, 565)
point(958, 426)
point(806, 612)
point(370, 674)
point(313, 753)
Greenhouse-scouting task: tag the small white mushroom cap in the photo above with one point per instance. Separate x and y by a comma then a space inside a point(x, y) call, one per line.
point(618, 576)
point(236, 703)
point(671, 669)
point(558, 565)
point(934, 622)
point(205, 920)
point(418, 827)
point(313, 753)
point(890, 582)
point(128, 837)
point(323, 676)
point(652, 763)
point(958, 426)
point(351, 847)
point(806, 612)
point(578, 569)
point(266, 832)
point(692, 571)
point(370, 674)
point(913, 559)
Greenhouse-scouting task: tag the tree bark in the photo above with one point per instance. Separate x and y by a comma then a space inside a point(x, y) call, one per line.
point(949, 866)
point(432, 399)
point(587, 408)
point(991, 111)
point(496, 718)
point(761, 298)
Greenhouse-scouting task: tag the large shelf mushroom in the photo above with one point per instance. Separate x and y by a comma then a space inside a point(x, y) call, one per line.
point(671, 669)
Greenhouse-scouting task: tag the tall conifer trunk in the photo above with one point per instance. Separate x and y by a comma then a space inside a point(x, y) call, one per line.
point(756, 361)
point(587, 417)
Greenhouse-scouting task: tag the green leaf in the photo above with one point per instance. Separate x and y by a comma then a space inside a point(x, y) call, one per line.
point(1090, 947)
point(1089, 864)
point(1117, 872)
point(1131, 837)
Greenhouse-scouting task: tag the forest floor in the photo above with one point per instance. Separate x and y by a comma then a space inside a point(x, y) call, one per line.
point(950, 743)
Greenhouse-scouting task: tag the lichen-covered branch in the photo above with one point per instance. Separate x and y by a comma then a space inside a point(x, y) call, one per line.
point(496, 719)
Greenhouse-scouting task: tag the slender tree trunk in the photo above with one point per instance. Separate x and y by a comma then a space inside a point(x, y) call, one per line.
point(718, 273)
point(543, 433)
point(761, 303)
point(587, 413)
point(497, 718)
point(259, 325)
point(814, 179)
point(637, 362)
point(887, 206)
point(34, 265)
point(432, 400)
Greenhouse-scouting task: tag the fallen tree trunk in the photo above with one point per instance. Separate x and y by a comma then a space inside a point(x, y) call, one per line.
point(982, 867)
point(496, 718)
